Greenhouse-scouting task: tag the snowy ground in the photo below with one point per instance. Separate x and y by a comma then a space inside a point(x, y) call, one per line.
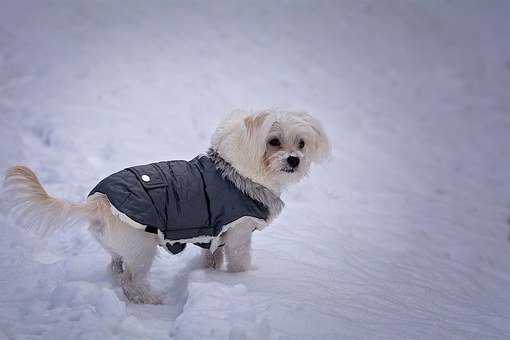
point(402, 234)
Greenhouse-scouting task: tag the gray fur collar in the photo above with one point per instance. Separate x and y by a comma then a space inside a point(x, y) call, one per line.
point(256, 191)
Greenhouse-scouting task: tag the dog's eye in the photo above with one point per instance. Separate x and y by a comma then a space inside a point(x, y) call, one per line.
point(301, 144)
point(274, 142)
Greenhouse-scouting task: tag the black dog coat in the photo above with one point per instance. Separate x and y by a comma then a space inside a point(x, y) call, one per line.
point(181, 201)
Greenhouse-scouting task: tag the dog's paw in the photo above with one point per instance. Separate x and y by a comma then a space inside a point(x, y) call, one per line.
point(141, 298)
point(238, 267)
point(152, 300)
point(212, 261)
point(140, 295)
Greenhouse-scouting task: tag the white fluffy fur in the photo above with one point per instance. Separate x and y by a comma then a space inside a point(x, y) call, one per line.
point(241, 140)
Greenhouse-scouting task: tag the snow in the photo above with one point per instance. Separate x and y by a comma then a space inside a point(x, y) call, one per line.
point(402, 234)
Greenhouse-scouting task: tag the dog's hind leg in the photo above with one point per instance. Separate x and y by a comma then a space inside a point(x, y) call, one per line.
point(132, 281)
point(136, 250)
point(116, 265)
point(132, 252)
point(136, 263)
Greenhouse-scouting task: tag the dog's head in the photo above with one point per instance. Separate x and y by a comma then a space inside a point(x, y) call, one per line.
point(271, 148)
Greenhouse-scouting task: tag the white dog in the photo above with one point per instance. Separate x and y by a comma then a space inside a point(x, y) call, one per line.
point(254, 157)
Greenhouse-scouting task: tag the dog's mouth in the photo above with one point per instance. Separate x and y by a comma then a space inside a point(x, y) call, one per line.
point(288, 170)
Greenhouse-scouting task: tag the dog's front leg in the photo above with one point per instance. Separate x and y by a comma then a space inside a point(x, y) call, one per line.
point(238, 247)
point(213, 260)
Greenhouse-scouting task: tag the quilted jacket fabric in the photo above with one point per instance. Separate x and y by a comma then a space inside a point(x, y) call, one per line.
point(183, 199)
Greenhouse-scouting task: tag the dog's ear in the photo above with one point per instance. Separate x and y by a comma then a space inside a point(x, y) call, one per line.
point(319, 139)
point(255, 121)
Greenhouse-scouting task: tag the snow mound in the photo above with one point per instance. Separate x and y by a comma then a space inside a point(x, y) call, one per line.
point(217, 311)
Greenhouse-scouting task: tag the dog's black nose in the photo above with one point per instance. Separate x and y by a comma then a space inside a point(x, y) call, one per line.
point(293, 161)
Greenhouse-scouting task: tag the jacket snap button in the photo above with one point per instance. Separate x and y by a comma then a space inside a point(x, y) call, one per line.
point(145, 178)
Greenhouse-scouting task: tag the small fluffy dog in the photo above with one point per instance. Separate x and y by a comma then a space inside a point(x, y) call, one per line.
point(215, 201)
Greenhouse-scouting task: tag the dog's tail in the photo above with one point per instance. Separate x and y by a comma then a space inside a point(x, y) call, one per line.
point(34, 209)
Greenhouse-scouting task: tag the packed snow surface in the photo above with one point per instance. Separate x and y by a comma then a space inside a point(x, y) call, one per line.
point(403, 233)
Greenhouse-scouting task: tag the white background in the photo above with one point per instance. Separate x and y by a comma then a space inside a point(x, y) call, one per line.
point(402, 234)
